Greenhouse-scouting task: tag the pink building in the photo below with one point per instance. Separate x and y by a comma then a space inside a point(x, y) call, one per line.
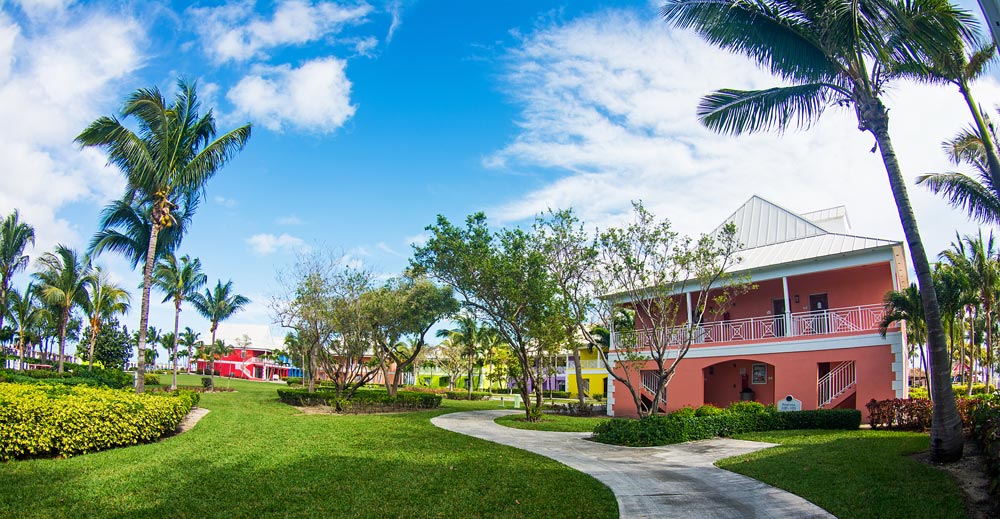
point(810, 329)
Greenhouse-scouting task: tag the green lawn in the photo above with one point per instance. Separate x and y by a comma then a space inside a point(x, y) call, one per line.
point(255, 457)
point(553, 422)
point(853, 474)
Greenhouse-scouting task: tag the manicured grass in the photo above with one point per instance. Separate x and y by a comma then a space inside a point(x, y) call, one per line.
point(853, 474)
point(253, 456)
point(553, 422)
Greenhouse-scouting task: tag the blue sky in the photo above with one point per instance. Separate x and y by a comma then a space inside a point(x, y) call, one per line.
point(370, 118)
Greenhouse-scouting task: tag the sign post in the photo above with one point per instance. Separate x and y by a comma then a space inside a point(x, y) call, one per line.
point(789, 403)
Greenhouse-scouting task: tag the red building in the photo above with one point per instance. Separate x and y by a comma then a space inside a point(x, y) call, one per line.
point(252, 363)
point(809, 330)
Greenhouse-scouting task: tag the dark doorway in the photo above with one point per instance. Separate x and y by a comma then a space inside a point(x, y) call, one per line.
point(819, 306)
point(779, 317)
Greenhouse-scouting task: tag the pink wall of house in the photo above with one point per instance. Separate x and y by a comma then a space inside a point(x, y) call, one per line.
point(794, 373)
point(724, 381)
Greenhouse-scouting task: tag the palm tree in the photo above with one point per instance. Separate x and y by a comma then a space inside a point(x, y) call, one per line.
point(905, 305)
point(62, 283)
point(172, 156)
point(466, 334)
point(124, 229)
point(979, 260)
point(26, 314)
point(104, 299)
point(217, 305)
point(15, 236)
point(189, 338)
point(178, 281)
point(842, 54)
point(153, 339)
point(979, 196)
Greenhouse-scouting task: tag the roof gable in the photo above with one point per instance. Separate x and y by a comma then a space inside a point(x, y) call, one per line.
point(759, 223)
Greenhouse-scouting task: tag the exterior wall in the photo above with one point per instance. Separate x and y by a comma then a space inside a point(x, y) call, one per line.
point(794, 373)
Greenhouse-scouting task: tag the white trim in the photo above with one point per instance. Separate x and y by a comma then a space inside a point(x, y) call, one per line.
point(611, 392)
point(830, 343)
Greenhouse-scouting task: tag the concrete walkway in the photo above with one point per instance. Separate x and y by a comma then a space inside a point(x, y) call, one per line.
point(670, 481)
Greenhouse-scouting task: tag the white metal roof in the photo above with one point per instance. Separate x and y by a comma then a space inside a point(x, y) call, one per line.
point(772, 235)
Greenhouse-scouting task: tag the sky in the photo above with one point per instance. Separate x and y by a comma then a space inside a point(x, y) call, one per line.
point(372, 117)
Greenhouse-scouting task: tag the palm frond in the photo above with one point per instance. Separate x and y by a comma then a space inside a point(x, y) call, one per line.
point(965, 193)
point(747, 111)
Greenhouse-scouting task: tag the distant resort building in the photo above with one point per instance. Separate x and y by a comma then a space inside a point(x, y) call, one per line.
point(809, 330)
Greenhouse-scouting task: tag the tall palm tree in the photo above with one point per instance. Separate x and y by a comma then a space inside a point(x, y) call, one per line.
point(217, 305)
point(467, 335)
point(179, 281)
point(26, 313)
point(954, 295)
point(173, 155)
point(124, 229)
point(189, 338)
point(905, 305)
point(978, 195)
point(15, 236)
point(981, 262)
point(62, 283)
point(841, 54)
point(153, 339)
point(104, 299)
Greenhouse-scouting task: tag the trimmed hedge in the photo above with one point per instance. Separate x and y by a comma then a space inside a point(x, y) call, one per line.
point(900, 413)
point(464, 395)
point(40, 420)
point(674, 428)
point(294, 381)
point(363, 400)
point(73, 374)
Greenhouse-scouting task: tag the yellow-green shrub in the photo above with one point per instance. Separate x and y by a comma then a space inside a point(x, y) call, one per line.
point(45, 420)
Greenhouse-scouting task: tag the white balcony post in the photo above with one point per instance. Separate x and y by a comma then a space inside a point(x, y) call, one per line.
point(688, 294)
point(788, 307)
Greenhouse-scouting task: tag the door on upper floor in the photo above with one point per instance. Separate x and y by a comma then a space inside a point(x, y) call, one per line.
point(778, 307)
point(819, 306)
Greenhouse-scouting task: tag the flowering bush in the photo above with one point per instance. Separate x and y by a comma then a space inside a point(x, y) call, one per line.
point(901, 414)
point(58, 420)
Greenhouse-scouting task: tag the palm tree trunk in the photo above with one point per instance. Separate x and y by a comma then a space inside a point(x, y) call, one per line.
point(93, 340)
point(972, 354)
point(946, 426)
point(579, 376)
point(211, 358)
point(21, 345)
point(989, 347)
point(64, 319)
point(177, 323)
point(147, 277)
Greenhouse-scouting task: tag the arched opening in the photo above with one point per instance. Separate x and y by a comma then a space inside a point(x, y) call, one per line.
point(739, 379)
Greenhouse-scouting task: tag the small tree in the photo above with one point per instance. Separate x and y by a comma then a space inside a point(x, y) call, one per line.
point(112, 345)
point(449, 356)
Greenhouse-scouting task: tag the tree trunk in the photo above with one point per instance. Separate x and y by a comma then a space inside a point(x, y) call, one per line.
point(211, 358)
point(927, 372)
point(21, 347)
point(472, 367)
point(93, 340)
point(147, 277)
point(64, 319)
point(177, 323)
point(972, 355)
point(946, 426)
point(579, 376)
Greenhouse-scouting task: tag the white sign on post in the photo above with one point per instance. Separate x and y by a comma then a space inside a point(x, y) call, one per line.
point(789, 403)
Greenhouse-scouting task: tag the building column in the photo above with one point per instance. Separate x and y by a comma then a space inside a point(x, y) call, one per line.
point(788, 307)
point(688, 294)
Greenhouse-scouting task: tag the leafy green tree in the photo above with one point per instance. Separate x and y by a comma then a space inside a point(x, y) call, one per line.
point(218, 304)
point(189, 338)
point(26, 314)
point(105, 299)
point(844, 55)
point(62, 283)
point(15, 236)
point(179, 281)
point(500, 277)
point(112, 346)
point(173, 154)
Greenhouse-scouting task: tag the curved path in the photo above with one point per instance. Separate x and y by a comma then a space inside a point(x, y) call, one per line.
point(671, 481)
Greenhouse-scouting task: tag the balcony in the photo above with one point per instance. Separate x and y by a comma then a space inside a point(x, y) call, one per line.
point(836, 321)
point(586, 364)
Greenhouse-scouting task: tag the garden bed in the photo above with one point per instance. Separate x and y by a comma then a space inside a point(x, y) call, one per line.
point(363, 401)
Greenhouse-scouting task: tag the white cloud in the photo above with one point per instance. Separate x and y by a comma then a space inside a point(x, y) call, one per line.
point(419, 239)
point(394, 10)
point(315, 96)
point(235, 32)
point(388, 250)
point(269, 243)
point(289, 220)
point(228, 203)
point(608, 116)
point(365, 46)
point(55, 78)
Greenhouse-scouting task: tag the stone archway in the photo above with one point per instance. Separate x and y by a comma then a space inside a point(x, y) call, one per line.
point(727, 381)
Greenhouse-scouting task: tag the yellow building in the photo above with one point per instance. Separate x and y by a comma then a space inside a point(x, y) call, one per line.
point(595, 377)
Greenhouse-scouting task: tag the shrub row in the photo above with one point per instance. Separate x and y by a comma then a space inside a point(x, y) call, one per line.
point(366, 400)
point(73, 374)
point(38, 420)
point(900, 414)
point(464, 395)
point(678, 428)
point(983, 414)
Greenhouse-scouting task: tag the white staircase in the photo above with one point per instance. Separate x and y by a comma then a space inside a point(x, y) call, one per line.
point(837, 382)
